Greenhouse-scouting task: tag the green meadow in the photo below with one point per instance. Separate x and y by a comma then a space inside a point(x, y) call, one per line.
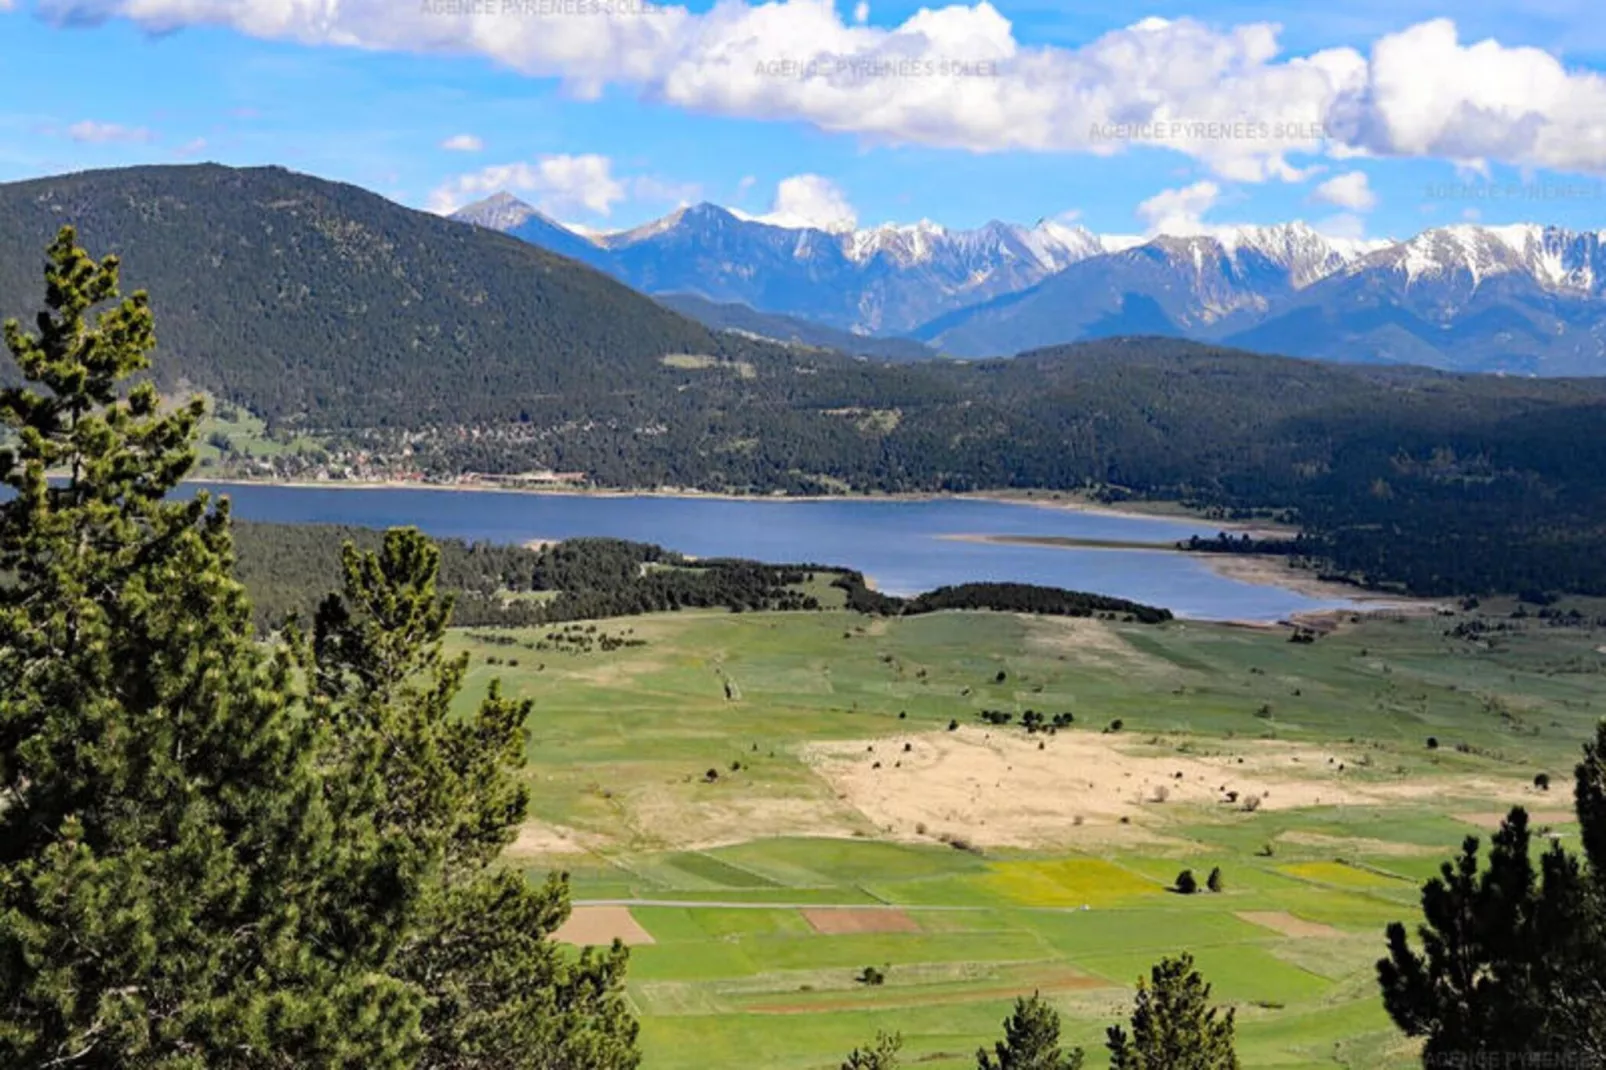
point(746, 785)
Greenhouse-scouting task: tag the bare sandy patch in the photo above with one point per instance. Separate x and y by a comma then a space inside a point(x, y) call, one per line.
point(1280, 922)
point(1491, 820)
point(594, 926)
point(839, 921)
point(536, 839)
point(996, 788)
point(1272, 571)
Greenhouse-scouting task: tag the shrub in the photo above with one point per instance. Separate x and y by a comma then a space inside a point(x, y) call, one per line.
point(1186, 883)
point(1213, 882)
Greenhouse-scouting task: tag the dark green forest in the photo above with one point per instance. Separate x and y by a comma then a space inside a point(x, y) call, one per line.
point(288, 569)
point(432, 346)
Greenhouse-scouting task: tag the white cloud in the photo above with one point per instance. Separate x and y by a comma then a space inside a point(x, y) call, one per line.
point(1344, 225)
point(463, 143)
point(747, 183)
point(810, 201)
point(1349, 190)
point(1418, 92)
point(91, 132)
point(650, 188)
point(861, 12)
point(557, 185)
point(193, 147)
point(1179, 211)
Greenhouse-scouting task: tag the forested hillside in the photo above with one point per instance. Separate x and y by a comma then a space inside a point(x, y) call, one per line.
point(423, 345)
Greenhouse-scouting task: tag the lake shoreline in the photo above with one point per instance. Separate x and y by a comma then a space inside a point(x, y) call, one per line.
point(1259, 569)
point(906, 542)
point(1060, 500)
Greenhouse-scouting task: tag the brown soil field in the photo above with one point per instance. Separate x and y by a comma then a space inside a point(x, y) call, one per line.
point(592, 926)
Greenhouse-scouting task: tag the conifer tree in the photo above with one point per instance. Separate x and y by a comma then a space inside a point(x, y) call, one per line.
point(1513, 956)
point(881, 1055)
point(221, 853)
point(1031, 1041)
point(1174, 1027)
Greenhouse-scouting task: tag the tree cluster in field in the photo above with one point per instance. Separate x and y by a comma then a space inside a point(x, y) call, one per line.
point(1001, 597)
point(285, 567)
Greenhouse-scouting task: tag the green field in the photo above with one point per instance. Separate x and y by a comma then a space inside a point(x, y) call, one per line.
point(804, 720)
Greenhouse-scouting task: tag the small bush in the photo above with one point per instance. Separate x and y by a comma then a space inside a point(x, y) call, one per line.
point(1186, 882)
point(1213, 882)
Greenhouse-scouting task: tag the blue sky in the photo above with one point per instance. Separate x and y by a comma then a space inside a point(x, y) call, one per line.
point(1399, 118)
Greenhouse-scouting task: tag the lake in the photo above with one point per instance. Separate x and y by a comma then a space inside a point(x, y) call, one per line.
point(898, 544)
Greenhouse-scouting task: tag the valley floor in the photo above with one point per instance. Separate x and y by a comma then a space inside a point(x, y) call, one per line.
point(763, 804)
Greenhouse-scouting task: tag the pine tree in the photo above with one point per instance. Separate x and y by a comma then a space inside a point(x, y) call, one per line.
point(1513, 959)
point(1031, 1041)
point(217, 852)
point(881, 1055)
point(163, 829)
point(426, 801)
point(1173, 1025)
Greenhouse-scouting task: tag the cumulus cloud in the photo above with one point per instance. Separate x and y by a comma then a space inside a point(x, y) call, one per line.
point(558, 185)
point(956, 77)
point(1349, 190)
point(1179, 211)
point(1344, 226)
point(653, 189)
point(463, 143)
point(810, 201)
point(94, 133)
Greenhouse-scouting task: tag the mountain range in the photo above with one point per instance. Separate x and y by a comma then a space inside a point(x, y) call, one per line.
point(409, 343)
point(1523, 299)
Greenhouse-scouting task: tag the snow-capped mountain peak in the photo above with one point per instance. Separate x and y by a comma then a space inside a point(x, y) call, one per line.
point(499, 211)
point(1556, 259)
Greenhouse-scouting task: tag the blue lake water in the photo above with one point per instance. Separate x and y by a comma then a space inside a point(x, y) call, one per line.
point(898, 544)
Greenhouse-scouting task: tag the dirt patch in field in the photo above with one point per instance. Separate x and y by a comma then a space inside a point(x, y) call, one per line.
point(594, 926)
point(1281, 922)
point(537, 839)
point(996, 788)
point(840, 921)
point(1491, 820)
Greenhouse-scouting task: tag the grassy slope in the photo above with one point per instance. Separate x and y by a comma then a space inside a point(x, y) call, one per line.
point(620, 740)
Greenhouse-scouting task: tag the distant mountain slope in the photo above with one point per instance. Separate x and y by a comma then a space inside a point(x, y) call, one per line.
point(1523, 299)
point(1519, 299)
point(790, 329)
point(1528, 300)
point(881, 280)
point(305, 297)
